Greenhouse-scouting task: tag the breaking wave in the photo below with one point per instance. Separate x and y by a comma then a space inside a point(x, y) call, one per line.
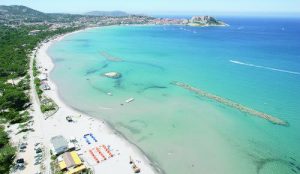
point(264, 67)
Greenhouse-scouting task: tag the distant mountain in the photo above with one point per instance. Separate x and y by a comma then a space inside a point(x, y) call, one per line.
point(20, 15)
point(107, 13)
point(16, 14)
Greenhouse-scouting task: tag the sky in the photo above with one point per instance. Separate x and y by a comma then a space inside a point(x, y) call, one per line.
point(164, 6)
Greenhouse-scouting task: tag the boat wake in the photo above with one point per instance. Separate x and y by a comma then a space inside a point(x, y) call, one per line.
point(264, 67)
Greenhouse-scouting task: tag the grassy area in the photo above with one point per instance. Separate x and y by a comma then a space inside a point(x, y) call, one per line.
point(48, 107)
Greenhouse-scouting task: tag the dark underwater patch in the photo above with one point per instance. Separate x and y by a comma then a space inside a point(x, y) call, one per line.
point(130, 128)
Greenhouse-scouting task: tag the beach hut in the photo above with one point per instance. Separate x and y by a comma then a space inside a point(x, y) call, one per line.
point(70, 163)
point(61, 145)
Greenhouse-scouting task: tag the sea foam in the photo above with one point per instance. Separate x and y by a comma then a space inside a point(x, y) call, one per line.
point(264, 67)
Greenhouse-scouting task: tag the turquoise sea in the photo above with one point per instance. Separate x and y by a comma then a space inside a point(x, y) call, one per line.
point(254, 61)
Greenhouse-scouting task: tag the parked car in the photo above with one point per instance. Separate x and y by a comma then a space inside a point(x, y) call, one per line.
point(23, 147)
point(37, 162)
point(38, 159)
point(20, 161)
point(24, 144)
point(39, 150)
point(37, 147)
point(39, 155)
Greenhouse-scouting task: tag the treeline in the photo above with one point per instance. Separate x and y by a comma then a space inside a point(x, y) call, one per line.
point(16, 45)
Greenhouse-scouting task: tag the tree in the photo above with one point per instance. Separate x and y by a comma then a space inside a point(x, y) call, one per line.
point(6, 152)
point(13, 98)
point(3, 137)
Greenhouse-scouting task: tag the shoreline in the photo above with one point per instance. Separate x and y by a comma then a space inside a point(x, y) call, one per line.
point(132, 150)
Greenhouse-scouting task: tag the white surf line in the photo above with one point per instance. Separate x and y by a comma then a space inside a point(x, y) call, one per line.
point(264, 67)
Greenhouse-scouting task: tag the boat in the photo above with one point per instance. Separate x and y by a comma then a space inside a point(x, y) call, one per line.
point(129, 100)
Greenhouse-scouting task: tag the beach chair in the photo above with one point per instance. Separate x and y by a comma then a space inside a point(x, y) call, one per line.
point(86, 140)
point(93, 155)
point(107, 150)
point(100, 153)
point(92, 136)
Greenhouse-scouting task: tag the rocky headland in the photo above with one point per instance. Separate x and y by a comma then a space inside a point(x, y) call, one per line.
point(205, 21)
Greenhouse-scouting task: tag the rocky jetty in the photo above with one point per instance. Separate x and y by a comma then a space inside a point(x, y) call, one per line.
point(205, 21)
point(113, 75)
point(232, 104)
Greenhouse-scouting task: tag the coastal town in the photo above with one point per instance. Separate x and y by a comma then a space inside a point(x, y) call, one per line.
point(54, 21)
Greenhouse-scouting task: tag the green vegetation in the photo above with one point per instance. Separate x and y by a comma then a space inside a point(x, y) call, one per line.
point(7, 152)
point(48, 107)
point(12, 97)
point(24, 83)
point(20, 118)
point(34, 69)
point(16, 46)
point(54, 166)
point(25, 130)
point(37, 83)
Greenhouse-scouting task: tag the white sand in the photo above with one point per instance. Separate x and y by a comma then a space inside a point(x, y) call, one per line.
point(57, 125)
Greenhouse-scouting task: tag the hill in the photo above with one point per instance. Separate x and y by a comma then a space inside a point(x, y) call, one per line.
point(19, 10)
point(22, 13)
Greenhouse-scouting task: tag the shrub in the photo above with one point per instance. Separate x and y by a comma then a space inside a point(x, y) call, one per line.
point(47, 107)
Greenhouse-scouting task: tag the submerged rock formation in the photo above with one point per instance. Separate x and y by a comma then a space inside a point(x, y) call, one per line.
point(232, 104)
point(109, 57)
point(113, 75)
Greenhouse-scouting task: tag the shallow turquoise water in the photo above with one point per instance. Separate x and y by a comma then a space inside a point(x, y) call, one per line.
point(182, 132)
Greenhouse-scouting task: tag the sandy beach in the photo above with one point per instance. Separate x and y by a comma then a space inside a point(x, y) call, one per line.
point(82, 124)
